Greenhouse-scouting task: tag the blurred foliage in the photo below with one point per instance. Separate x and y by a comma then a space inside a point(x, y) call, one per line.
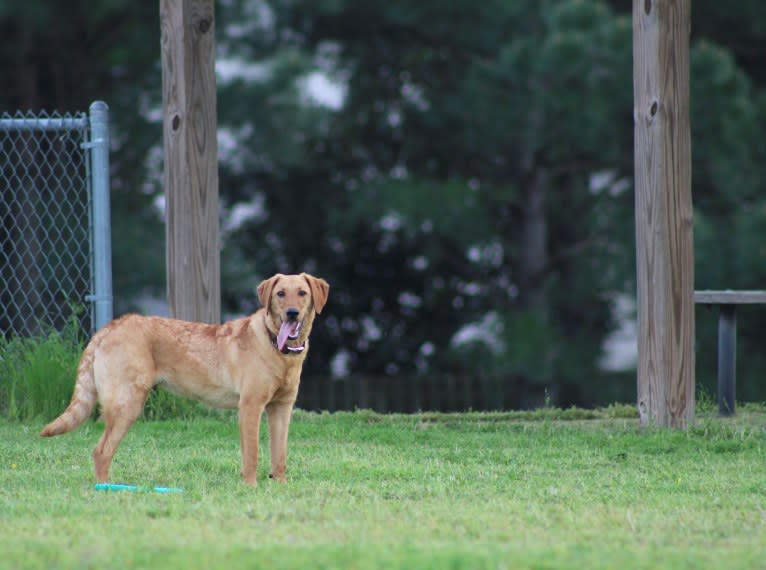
point(37, 374)
point(460, 172)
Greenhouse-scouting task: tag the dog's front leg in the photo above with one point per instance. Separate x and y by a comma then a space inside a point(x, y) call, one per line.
point(250, 411)
point(279, 422)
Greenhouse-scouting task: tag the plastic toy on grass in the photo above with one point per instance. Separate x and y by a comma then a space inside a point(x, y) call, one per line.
point(123, 487)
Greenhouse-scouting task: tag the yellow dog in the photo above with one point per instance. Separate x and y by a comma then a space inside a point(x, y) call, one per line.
point(252, 364)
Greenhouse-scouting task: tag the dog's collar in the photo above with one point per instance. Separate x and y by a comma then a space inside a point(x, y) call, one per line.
point(287, 350)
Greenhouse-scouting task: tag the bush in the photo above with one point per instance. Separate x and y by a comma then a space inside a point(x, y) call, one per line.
point(37, 374)
point(37, 377)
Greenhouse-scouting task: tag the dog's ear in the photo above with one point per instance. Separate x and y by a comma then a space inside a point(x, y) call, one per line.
point(320, 289)
point(265, 289)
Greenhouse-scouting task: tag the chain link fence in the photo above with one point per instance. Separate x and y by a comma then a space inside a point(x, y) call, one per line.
point(47, 220)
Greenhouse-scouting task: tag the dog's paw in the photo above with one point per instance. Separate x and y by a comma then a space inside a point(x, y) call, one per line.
point(252, 481)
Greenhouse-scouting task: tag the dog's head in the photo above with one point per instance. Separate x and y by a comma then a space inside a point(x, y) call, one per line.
point(291, 302)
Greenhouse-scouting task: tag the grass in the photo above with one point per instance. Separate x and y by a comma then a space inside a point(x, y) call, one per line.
point(477, 490)
point(37, 374)
point(547, 488)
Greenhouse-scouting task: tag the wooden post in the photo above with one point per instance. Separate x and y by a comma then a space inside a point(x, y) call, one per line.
point(191, 168)
point(664, 238)
point(727, 359)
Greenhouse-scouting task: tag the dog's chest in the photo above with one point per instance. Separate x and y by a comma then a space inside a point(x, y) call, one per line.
point(286, 378)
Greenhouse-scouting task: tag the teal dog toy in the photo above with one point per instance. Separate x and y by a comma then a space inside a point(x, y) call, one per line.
point(122, 487)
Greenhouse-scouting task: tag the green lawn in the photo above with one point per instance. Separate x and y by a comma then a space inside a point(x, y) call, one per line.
point(371, 491)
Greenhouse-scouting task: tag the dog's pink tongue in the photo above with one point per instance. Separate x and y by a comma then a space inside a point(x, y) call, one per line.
point(285, 331)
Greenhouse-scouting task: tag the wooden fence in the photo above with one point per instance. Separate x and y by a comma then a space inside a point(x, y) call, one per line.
point(449, 393)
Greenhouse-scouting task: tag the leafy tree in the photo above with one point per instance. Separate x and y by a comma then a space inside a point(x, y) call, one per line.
point(61, 57)
point(728, 188)
point(462, 176)
point(456, 180)
point(478, 175)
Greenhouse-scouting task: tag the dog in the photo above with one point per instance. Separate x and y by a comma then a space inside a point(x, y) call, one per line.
point(252, 364)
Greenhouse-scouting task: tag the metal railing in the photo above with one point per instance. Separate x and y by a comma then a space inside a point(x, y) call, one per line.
point(55, 229)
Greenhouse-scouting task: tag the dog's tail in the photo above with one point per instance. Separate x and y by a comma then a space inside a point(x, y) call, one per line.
point(83, 400)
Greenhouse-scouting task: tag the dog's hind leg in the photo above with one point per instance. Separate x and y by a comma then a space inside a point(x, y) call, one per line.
point(117, 419)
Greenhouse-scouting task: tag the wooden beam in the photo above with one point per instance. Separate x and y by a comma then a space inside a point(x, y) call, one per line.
point(729, 297)
point(664, 237)
point(191, 168)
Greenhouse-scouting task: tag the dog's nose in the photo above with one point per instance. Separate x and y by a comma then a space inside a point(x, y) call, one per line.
point(292, 314)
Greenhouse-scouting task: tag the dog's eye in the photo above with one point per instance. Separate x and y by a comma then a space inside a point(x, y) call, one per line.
point(280, 293)
point(302, 293)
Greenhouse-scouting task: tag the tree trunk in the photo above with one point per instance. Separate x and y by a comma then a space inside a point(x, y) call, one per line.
point(533, 258)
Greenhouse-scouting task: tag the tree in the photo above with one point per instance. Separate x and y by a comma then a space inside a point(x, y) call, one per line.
point(455, 180)
point(108, 52)
point(475, 180)
point(461, 174)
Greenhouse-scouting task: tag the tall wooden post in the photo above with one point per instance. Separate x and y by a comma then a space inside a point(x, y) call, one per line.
point(664, 238)
point(191, 168)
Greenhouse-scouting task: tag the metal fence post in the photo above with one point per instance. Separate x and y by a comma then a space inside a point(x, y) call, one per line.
point(102, 223)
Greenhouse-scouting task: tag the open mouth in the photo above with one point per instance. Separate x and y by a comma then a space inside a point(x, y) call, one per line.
point(290, 330)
